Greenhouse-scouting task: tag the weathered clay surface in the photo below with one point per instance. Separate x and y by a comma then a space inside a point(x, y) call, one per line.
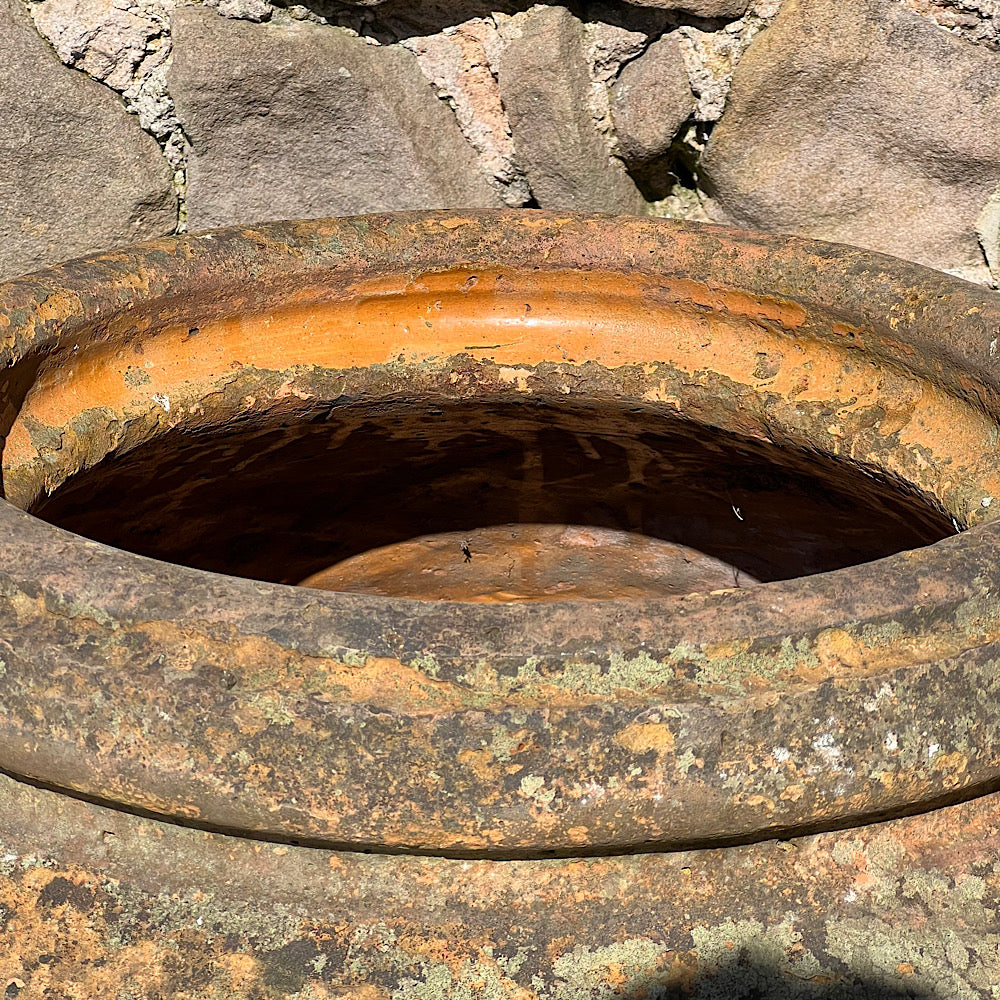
point(562, 779)
point(544, 84)
point(614, 460)
point(100, 903)
point(314, 122)
point(61, 134)
point(651, 99)
point(505, 729)
point(864, 123)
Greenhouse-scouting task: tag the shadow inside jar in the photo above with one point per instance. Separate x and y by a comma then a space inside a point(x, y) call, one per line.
point(282, 500)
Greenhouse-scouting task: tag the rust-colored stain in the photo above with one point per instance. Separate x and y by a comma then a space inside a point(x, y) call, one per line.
point(546, 766)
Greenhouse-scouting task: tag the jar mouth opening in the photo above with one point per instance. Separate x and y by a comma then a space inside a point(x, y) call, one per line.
point(366, 481)
point(278, 440)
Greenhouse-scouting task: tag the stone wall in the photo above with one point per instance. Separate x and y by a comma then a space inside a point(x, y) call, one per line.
point(873, 122)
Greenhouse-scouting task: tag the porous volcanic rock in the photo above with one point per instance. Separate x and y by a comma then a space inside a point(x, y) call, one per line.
point(77, 173)
point(545, 86)
point(302, 120)
point(861, 122)
point(650, 101)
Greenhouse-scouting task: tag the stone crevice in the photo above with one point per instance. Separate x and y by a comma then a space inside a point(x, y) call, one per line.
point(460, 64)
point(974, 20)
point(127, 49)
point(79, 174)
point(130, 49)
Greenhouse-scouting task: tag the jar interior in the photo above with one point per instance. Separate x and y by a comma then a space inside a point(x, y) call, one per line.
point(279, 498)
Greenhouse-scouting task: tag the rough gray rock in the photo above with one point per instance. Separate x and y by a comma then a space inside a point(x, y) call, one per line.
point(610, 46)
point(100, 38)
point(76, 172)
point(711, 56)
point(545, 86)
point(650, 101)
point(976, 20)
point(862, 122)
point(124, 44)
point(302, 120)
point(249, 10)
point(988, 232)
point(458, 65)
point(699, 8)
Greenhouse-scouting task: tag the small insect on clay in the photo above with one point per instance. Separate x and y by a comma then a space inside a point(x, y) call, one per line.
point(466, 551)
